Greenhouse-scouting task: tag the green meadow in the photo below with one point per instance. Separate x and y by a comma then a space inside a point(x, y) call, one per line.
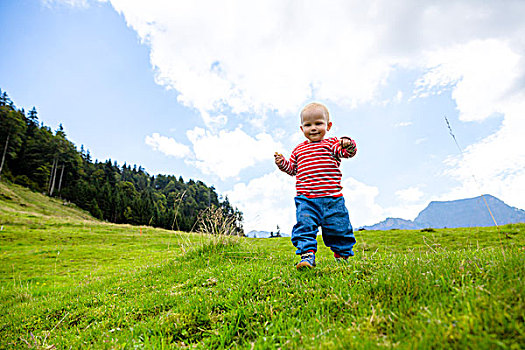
point(68, 281)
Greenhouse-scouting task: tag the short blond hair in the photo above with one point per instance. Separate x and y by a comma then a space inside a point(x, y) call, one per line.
point(313, 105)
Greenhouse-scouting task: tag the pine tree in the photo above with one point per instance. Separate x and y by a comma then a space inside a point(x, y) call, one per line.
point(33, 116)
point(4, 99)
point(12, 126)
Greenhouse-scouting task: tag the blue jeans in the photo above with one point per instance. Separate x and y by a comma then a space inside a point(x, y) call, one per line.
point(331, 214)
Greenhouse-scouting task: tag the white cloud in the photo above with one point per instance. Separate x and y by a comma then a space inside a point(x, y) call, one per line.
point(257, 57)
point(360, 200)
point(266, 202)
point(167, 145)
point(496, 164)
point(403, 124)
point(226, 153)
point(481, 74)
point(274, 55)
point(405, 210)
point(399, 96)
point(72, 3)
point(262, 57)
point(410, 194)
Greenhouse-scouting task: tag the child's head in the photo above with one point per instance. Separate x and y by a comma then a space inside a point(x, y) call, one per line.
point(316, 106)
point(315, 121)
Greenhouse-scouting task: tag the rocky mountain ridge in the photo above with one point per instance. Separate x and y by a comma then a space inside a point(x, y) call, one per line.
point(469, 212)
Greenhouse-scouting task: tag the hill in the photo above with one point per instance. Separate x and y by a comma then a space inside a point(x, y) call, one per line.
point(71, 281)
point(470, 212)
point(20, 205)
point(47, 162)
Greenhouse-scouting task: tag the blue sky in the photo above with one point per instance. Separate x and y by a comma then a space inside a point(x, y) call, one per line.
point(209, 90)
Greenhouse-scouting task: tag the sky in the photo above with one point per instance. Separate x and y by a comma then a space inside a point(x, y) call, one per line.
point(210, 90)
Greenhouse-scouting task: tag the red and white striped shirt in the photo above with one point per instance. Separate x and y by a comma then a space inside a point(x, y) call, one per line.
point(316, 167)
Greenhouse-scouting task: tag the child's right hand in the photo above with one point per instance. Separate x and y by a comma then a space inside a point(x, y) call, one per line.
point(279, 158)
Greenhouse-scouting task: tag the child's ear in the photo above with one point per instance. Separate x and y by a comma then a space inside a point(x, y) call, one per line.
point(328, 126)
point(301, 128)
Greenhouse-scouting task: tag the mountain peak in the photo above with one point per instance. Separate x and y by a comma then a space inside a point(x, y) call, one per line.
point(468, 212)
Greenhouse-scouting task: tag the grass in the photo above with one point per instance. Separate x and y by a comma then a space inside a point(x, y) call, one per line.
point(68, 281)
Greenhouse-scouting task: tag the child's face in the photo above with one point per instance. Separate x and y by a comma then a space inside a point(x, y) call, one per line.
point(314, 124)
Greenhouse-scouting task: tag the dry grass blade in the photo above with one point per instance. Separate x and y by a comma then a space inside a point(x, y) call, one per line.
point(176, 206)
point(213, 221)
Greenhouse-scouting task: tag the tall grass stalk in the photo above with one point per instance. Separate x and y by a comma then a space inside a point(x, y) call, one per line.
point(474, 177)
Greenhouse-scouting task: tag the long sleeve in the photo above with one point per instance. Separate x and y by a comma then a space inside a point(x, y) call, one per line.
point(289, 166)
point(341, 152)
point(316, 167)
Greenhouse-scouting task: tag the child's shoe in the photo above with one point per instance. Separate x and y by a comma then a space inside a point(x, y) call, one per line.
point(307, 260)
point(340, 258)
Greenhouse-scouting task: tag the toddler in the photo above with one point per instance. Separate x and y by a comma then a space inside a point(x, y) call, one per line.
point(319, 201)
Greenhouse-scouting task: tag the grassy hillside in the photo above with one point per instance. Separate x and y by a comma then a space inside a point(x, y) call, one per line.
point(22, 206)
point(69, 281)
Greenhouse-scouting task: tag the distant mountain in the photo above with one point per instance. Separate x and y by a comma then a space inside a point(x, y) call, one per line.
point(265, 234)
point(470, 212)
point(393, 223)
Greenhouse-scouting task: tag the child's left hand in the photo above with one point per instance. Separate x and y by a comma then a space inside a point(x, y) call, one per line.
point(346, 143)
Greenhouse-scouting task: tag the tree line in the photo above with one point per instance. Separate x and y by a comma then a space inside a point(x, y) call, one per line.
point(34, 156)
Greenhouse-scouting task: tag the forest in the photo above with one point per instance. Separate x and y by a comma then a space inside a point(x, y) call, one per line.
point(45, 161)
